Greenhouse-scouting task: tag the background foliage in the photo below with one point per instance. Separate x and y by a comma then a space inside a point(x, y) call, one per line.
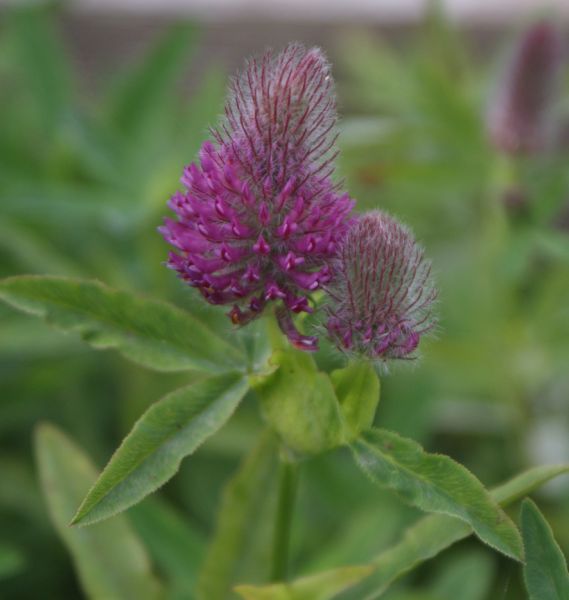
point(83, 185)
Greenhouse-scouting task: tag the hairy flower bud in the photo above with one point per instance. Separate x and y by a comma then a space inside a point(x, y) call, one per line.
point(261, 218)
point(518, 118)
point(382, 294)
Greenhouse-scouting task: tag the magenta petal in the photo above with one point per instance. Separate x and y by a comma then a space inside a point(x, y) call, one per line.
point(298, 340)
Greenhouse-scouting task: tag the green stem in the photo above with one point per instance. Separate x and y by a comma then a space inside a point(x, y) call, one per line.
point(288, 483)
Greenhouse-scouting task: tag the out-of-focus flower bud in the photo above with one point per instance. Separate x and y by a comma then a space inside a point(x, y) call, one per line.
point(519, 117)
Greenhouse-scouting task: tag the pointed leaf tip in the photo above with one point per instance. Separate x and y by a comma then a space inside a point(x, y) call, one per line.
point(545, 570)
point(110, 562)
point(151, 454)
point(436, 483)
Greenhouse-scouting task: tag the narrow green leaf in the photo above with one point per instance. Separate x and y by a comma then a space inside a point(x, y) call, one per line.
point(241, 536)
point(357, 389)
point(167, 432)
point(299, 403)
point(432, 534)
point(525, 483)
point(436, 483)
point(174, 545)
point(147, 90)
point(109, 559)
point(323, 586)
point(545, 570)
point(422, 541)
point(42, 62)
point(149, 332)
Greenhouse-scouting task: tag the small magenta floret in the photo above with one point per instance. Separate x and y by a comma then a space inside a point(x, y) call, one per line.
point(260, 218)
point(382, 294)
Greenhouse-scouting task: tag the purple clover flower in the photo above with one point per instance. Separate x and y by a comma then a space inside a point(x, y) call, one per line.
point(382, 294)
point(261, 219)
point(518, 118)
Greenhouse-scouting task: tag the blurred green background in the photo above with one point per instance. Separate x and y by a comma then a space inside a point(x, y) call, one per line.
point(97, 119)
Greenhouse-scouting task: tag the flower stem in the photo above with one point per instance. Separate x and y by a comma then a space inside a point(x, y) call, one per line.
point(288, 483)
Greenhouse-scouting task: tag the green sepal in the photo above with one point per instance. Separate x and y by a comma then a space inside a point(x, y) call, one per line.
point(357, 388)
point(299, 403)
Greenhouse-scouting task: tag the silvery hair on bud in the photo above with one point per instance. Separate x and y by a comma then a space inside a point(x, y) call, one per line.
point(382, 293)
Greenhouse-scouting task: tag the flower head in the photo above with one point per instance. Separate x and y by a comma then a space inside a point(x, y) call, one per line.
point(261, 218)
point(381, 296)
point(518, 116)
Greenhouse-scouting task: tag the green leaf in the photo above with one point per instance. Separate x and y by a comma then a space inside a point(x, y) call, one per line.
point(545, 571)
point(436, 483)
point(323, 586)
point(168, 431)
point(42, 62)
point(299, 403)
point(171, 541)
point(241, 535)
point(432, 534)
point(357, 389)
point(152, 333)
point(422, 541)
point(525, 483)
point(109, 559)
point(147, 90)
